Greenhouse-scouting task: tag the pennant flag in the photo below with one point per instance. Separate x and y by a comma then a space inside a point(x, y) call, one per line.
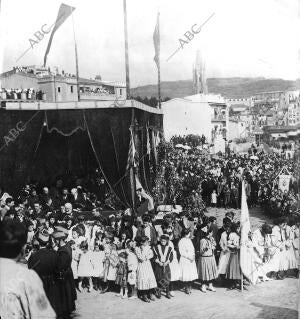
point(131, 152)
point(246, 251)
point(64, 12)
point(156, 41)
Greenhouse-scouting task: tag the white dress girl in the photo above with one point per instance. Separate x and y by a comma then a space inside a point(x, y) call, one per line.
point(187, 264)
point(97, 259)
point(224, 256)
point(85, 266)
point(145, 275)
point(290, 252)
point(174, 265)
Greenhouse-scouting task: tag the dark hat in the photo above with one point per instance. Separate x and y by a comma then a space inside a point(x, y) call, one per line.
point(267, 229)
point(60, 232)
point(81, 218)
point(143, 239)
point(43, 236)
point(146, 218)
point(165, 237)
point(123, 254)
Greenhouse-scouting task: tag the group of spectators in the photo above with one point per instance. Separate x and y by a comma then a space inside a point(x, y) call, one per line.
point(98, 90)
point(21, 94)
point(147, 257)
point(217, 179)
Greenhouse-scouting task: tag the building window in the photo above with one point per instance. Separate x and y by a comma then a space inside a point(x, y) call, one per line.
point(71, 88)
point(58, 89)
point(120, 91)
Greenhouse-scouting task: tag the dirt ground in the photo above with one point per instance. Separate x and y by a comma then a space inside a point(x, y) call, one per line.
point(277, 299)
point(270, 300)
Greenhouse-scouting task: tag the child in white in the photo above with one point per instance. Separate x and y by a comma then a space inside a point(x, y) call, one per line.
point(97, 259)
point(85, 266)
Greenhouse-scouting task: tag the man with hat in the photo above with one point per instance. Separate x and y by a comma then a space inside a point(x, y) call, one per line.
point(146, 229)
point(64, 277)
point(144, 201)
point(44, 263)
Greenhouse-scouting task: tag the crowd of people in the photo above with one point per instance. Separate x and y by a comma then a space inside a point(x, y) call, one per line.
point(21, 94)
point(218, 179)
point(99, 90)
point(68, 245)
point(147, 256)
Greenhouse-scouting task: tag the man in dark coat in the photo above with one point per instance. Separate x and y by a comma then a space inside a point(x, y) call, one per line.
point(147, 229)
point(44, 263)
point(64, 278)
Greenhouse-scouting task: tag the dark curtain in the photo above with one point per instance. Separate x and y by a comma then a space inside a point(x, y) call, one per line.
point(20, 133)
point(109, 136)
point(57, 142)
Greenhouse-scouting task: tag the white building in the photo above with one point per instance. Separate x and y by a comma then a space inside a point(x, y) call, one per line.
point(198, 114)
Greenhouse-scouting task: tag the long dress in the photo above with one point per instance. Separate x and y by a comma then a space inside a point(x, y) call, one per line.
point(174, 265)
point(97, 259)
point(145, 275)
point(207, 267)
point(187, 265)
point(296, 243)
point(224, 256)
point(261, 253)
point(233, 270)
point(278, 260)
point(290, 252)
point(85, 266)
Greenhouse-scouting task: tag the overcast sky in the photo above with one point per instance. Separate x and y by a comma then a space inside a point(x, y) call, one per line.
point(243, 38)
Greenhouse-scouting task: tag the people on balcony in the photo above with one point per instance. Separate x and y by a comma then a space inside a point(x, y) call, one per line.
point(21, 94)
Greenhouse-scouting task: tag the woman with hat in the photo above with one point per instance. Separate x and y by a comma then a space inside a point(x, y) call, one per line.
point(207, 267)
point(145, 277)
point(187, 265)
point(163, 256)
point(64, 278)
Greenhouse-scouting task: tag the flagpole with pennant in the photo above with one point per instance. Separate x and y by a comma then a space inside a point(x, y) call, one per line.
point(76, 60)
point(246, 259)
point(126, 51)
point(156, 41)
point(63, 13)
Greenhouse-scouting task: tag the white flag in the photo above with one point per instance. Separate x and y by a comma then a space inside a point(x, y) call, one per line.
point(246, 251)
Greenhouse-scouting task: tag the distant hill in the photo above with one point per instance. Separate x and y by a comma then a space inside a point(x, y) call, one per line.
point(227, 87)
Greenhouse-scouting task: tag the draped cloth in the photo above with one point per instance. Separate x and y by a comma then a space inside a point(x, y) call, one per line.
point(56, 142)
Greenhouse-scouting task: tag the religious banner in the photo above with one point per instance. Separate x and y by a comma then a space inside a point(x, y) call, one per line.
point(284, 182)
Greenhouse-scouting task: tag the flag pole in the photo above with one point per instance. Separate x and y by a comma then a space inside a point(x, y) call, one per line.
point(76, 61)
point(242, 283)
point(158, 74)
point(126, 51)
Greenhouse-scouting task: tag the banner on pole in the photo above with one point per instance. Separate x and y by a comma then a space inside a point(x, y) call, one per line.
point(284, 182)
